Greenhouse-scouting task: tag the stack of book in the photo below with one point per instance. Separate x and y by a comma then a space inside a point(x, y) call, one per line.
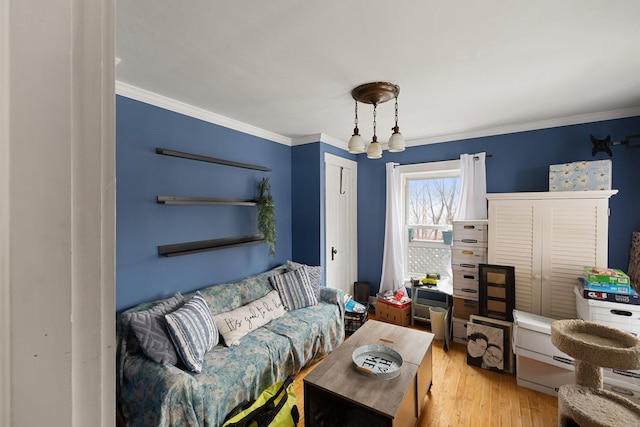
point(352, 305)
point(608, 284)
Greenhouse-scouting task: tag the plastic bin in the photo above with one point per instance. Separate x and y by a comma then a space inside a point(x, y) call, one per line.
point(437, 321)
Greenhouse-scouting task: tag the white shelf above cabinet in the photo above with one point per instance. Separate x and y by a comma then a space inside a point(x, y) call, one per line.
point(550, 195)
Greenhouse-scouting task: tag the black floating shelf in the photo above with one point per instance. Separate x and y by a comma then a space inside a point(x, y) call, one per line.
point(208, 245)
point(184, 155)
point(179, 200)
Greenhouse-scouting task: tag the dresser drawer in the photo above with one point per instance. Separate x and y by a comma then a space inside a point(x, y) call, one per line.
point(465, 284)
point(470, 232)
point(468, 257)
point(464, 307)
point(466, 276)
point(459, 330)
point(466, 292)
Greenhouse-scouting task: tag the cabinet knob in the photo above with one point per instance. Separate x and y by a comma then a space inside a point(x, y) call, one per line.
point(545, 277)
point(536, 276)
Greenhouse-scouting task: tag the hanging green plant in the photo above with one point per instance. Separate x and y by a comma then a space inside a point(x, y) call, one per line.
point(267, 215)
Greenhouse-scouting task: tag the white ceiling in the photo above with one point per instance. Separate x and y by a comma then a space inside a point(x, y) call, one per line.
point(465, 68)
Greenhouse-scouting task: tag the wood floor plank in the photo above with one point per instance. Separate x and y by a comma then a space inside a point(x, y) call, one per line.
point(464, 395)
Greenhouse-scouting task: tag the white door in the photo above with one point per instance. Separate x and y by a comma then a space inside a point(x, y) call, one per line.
point(515, 239)
point(572, 232)
point(341, 256)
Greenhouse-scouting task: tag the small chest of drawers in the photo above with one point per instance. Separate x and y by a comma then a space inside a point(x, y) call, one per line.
point(469, 250)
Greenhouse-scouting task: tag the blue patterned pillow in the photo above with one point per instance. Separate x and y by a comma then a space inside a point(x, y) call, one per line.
point(314, 272)
point(150, 328)
point(193, 331)
point(294, 289)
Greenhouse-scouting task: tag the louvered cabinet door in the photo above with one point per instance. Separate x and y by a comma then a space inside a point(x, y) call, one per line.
point(575, 234)
point(515, 240)
point(548, 238)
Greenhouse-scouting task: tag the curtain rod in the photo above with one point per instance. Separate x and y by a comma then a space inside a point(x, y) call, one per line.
point(418, 163)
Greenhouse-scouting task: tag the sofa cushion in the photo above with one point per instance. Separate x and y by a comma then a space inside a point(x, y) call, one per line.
point(314, 272)
point(229, 296)
point(294, 289)
point(312, 331)
point(150, 328)
point(193, 331)
point(237, 323)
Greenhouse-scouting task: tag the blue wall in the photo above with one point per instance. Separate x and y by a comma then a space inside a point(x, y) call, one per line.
point(307, 188)
point(142, 224)
point(520, 162)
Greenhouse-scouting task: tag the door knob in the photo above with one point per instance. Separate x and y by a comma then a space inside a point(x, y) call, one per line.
point(334, 251)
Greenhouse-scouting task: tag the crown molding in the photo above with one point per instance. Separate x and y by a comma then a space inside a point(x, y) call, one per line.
point(148, 97)
point(524, 127)
point(134, 92)
point(320, 137)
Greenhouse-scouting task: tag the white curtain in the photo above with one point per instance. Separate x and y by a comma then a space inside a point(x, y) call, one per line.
point(472, 203)
point(392, 264)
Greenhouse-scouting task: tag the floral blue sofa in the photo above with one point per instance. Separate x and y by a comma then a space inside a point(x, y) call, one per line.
point(161, 394)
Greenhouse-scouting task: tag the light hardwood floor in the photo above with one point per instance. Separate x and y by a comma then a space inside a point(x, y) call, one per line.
point(463, 395)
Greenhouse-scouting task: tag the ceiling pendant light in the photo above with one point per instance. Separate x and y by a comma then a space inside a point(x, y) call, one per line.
point(376, 93)
point(396, 142)
point(375, 150)
point(356, 143)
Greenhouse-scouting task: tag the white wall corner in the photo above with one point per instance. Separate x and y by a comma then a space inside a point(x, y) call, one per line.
point(320, 137)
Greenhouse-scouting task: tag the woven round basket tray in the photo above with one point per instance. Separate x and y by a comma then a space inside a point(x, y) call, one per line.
point(377, 361)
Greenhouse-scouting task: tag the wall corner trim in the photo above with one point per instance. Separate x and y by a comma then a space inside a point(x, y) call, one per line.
point(320, 137)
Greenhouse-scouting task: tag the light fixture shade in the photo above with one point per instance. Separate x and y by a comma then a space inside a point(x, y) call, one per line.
point(374, 151)
point(356, 144)
point(396, 142)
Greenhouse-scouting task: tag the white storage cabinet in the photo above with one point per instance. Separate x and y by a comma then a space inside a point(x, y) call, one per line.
point(548, 237)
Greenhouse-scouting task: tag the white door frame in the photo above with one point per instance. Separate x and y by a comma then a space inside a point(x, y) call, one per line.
point(5, 306)
point(57, 213)
point(352, 265)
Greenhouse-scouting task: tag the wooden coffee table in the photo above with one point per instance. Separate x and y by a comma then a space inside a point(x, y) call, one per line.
point(336, 394)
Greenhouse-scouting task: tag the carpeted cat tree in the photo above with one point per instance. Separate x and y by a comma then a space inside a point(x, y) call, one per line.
point(594, 346)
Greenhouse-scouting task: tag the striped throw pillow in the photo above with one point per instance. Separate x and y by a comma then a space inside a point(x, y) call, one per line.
point(193, 331)
point(294, 288)
point(314, 272)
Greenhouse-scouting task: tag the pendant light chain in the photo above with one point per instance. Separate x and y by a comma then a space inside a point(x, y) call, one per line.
point(375, 138)
point(395, 129)
point(356, 115)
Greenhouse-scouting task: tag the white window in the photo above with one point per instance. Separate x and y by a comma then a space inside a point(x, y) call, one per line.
point(429, 192)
